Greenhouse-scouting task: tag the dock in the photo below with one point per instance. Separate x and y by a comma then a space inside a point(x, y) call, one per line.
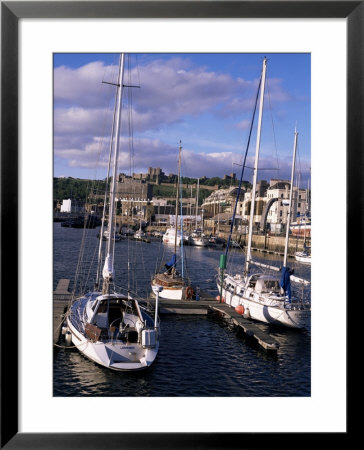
point(206, 304)
point(61, 298)
point(252, 330)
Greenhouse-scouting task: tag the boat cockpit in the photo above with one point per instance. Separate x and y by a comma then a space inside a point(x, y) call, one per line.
point(264, 284)
point(115, 318)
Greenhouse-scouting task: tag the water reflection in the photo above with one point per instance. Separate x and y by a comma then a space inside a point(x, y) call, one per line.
point(199, 355)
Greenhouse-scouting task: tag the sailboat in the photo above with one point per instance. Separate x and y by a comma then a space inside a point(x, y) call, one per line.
point(108, 327)
point(197, 238)
point(305, 255)
point(141, 235)
point(262, 296)
point(175, 285)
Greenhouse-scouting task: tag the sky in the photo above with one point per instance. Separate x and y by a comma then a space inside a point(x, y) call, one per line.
point(206, 101)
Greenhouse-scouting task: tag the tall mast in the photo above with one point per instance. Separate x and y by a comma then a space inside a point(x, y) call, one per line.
point(108, 270)
point(255, 173)
point(177, 193)
point(181, 218)
point(290, 199)
point(197, 194)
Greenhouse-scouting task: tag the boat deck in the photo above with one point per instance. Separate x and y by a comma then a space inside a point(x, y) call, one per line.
point(206, 304)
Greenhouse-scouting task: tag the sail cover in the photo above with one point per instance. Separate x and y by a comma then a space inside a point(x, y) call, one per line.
point(285, 282)
point(108, 270)
point(172, 262)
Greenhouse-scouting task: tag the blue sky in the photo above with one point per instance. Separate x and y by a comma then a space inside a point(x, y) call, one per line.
point(204, 100)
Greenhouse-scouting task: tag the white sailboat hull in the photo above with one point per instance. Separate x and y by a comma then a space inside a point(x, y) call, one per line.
point(171, 241)
point(303, 257)
point(266, 298)
point(198, 242)
point(268, 308)
point(171, 294)
point(111, 353)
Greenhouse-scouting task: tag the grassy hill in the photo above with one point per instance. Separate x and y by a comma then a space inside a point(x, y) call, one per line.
point(79, 189)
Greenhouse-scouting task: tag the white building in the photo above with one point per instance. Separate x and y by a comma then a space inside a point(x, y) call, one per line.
point(278, 212)
point(66, 205)
point(271, 203)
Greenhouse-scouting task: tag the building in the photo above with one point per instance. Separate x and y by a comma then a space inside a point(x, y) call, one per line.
point(278, 202)
point(66, 205)
point(133, 195)
point(154, 175)
point(271, 204)
point(222, 200)
point(72, 206)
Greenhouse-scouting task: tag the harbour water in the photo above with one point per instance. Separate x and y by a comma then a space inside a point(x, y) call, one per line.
point(199, 356)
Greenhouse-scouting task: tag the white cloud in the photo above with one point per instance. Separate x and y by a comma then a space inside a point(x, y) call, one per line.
point(172, 91)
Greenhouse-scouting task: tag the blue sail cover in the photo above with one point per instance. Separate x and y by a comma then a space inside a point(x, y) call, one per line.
point(285, 281)
point(172, 262)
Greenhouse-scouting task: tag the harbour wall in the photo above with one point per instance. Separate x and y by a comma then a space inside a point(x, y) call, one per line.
point(269, 243)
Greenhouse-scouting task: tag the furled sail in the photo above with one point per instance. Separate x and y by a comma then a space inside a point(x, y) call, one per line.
point(285, 281)
point(171, 263)
point(108, 270)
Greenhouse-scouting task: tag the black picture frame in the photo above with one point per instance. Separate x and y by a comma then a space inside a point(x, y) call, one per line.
point(11, 12)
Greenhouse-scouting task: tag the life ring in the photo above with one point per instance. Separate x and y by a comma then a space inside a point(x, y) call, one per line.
point(189, 292)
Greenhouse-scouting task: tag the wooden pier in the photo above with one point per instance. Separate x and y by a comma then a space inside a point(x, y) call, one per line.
point(206, 303)
point(61, 298)
point(252, 330)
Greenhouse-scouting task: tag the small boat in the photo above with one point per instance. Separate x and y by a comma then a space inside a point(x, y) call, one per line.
point(175, 285)
point(105, 236)
point(171, 236)
point(301, 227)
point(198, 239)
point(141, 235)
point(265, 297)
point(216, 242)
point(304, 256)
point(127, 231)
point(109, 327)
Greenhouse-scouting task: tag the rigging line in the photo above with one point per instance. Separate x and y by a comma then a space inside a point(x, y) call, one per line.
point(130, 122)
point(274, 133)
point(90, 267)
point(132, 155)
point(137, 69)
point(107, 181)
point(242, 169)
point(88, 190)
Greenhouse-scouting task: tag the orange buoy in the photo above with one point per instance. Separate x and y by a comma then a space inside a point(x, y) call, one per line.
point(239, 309)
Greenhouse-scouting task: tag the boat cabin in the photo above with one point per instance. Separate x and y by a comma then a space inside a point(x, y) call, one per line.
point(264, 283)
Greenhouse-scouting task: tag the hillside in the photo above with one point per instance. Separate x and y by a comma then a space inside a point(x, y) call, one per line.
point(79, 189)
